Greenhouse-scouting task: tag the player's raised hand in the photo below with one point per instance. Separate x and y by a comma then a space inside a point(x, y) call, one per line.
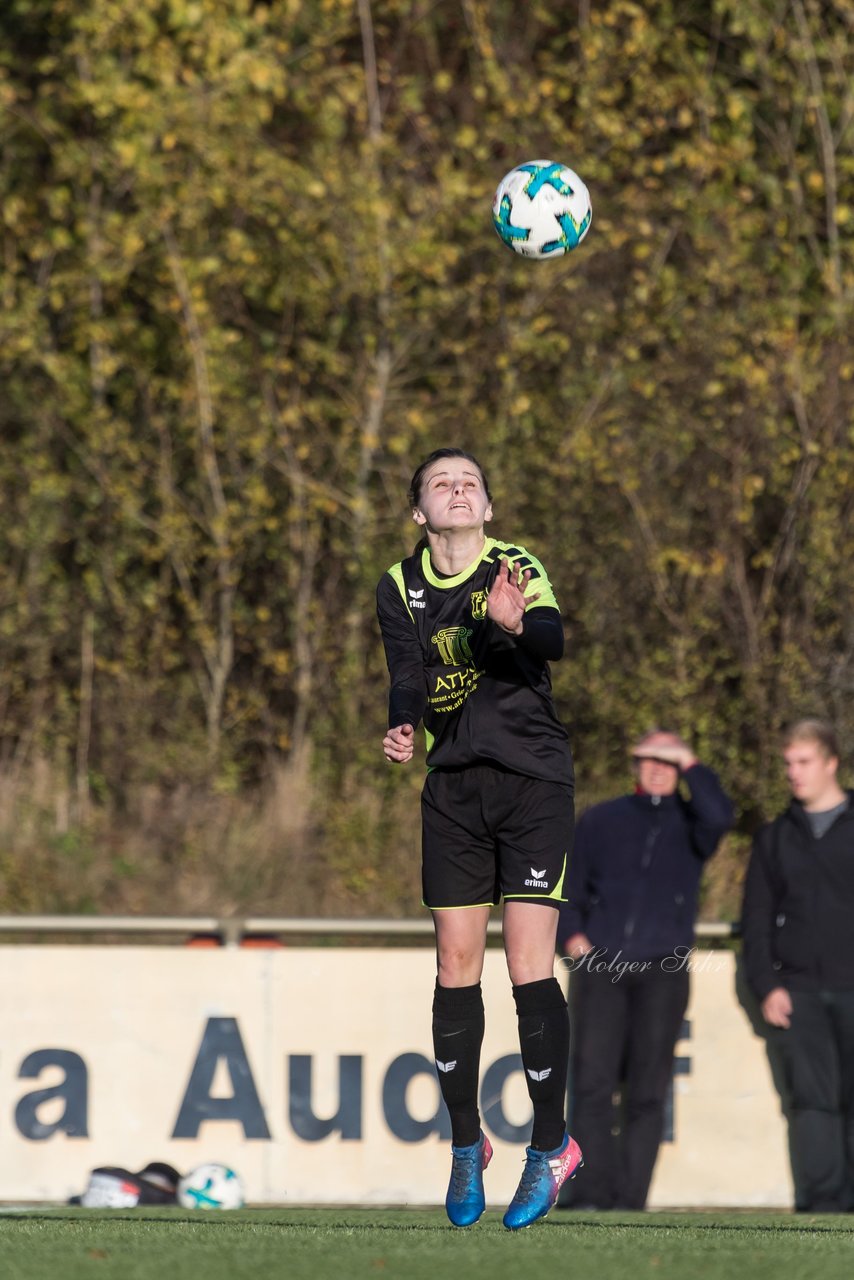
point(399, 743)
point(507, 601)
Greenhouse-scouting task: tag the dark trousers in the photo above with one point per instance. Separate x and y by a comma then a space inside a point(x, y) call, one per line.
point(817, 1055)
point(624, 1030)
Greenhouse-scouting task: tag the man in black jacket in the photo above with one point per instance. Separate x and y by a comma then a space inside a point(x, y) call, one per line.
point(798, 926)
point(628, 930)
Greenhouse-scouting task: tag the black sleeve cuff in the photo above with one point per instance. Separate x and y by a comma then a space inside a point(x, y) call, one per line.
point(405, 706)
point(542, 634)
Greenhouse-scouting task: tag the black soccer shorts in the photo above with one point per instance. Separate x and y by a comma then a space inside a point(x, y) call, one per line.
point(487, 833)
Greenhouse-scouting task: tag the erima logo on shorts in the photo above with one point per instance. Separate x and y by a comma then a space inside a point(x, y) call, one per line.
point(446, 1066)
point(537, 881)
point(415, 601)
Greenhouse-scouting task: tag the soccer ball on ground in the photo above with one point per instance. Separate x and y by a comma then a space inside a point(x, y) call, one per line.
point(211, 1186)
point(541, 209)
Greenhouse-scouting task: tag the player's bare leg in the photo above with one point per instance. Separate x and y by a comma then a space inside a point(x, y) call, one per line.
point(530, 929)
point(460, 944)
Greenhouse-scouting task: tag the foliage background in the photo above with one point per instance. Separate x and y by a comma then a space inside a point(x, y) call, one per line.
point(249, 280)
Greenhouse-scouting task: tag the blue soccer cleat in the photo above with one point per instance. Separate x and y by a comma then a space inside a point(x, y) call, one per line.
point(465, 1201)
point(544, 1174)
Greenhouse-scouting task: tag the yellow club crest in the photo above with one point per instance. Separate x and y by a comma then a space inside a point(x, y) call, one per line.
point(478, 605)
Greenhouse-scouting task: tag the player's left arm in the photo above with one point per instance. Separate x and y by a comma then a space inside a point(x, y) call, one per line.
point(521, 603)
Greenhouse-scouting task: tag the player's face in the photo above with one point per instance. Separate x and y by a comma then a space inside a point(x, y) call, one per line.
point(452, 497)
point(809, 772)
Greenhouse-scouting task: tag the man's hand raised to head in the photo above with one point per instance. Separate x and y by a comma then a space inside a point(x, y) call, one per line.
point(669, 748)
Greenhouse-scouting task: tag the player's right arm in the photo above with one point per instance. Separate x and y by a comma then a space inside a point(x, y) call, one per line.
point(408, 691)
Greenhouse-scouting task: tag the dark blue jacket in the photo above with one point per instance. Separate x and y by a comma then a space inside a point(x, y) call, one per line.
point(634, 875)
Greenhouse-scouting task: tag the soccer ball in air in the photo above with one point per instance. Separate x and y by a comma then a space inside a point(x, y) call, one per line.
point(211, 1186)
point(541, 209)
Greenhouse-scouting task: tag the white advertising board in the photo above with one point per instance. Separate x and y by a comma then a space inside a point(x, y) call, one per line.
point(309, 1070)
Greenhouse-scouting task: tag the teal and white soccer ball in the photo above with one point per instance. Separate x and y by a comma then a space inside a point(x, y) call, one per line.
point(211, 1186)
point(541, 209)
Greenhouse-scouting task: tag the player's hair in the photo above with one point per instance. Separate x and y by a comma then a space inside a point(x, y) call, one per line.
point(437, 454)
point(813, 730)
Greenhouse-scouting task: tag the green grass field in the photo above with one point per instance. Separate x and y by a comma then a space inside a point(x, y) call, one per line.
point(349, 1244)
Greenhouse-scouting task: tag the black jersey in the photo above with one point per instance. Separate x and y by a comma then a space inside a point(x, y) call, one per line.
point(485, 696)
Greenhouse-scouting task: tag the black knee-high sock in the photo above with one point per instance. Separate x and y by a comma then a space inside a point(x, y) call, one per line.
point(544, 1041)
point(457, 1037)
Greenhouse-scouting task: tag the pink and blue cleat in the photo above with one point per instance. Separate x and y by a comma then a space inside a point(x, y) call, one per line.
point(465, 1201)
point(544, 1174)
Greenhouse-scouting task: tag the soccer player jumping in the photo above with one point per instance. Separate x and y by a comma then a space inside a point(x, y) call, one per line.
point(469, 625)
